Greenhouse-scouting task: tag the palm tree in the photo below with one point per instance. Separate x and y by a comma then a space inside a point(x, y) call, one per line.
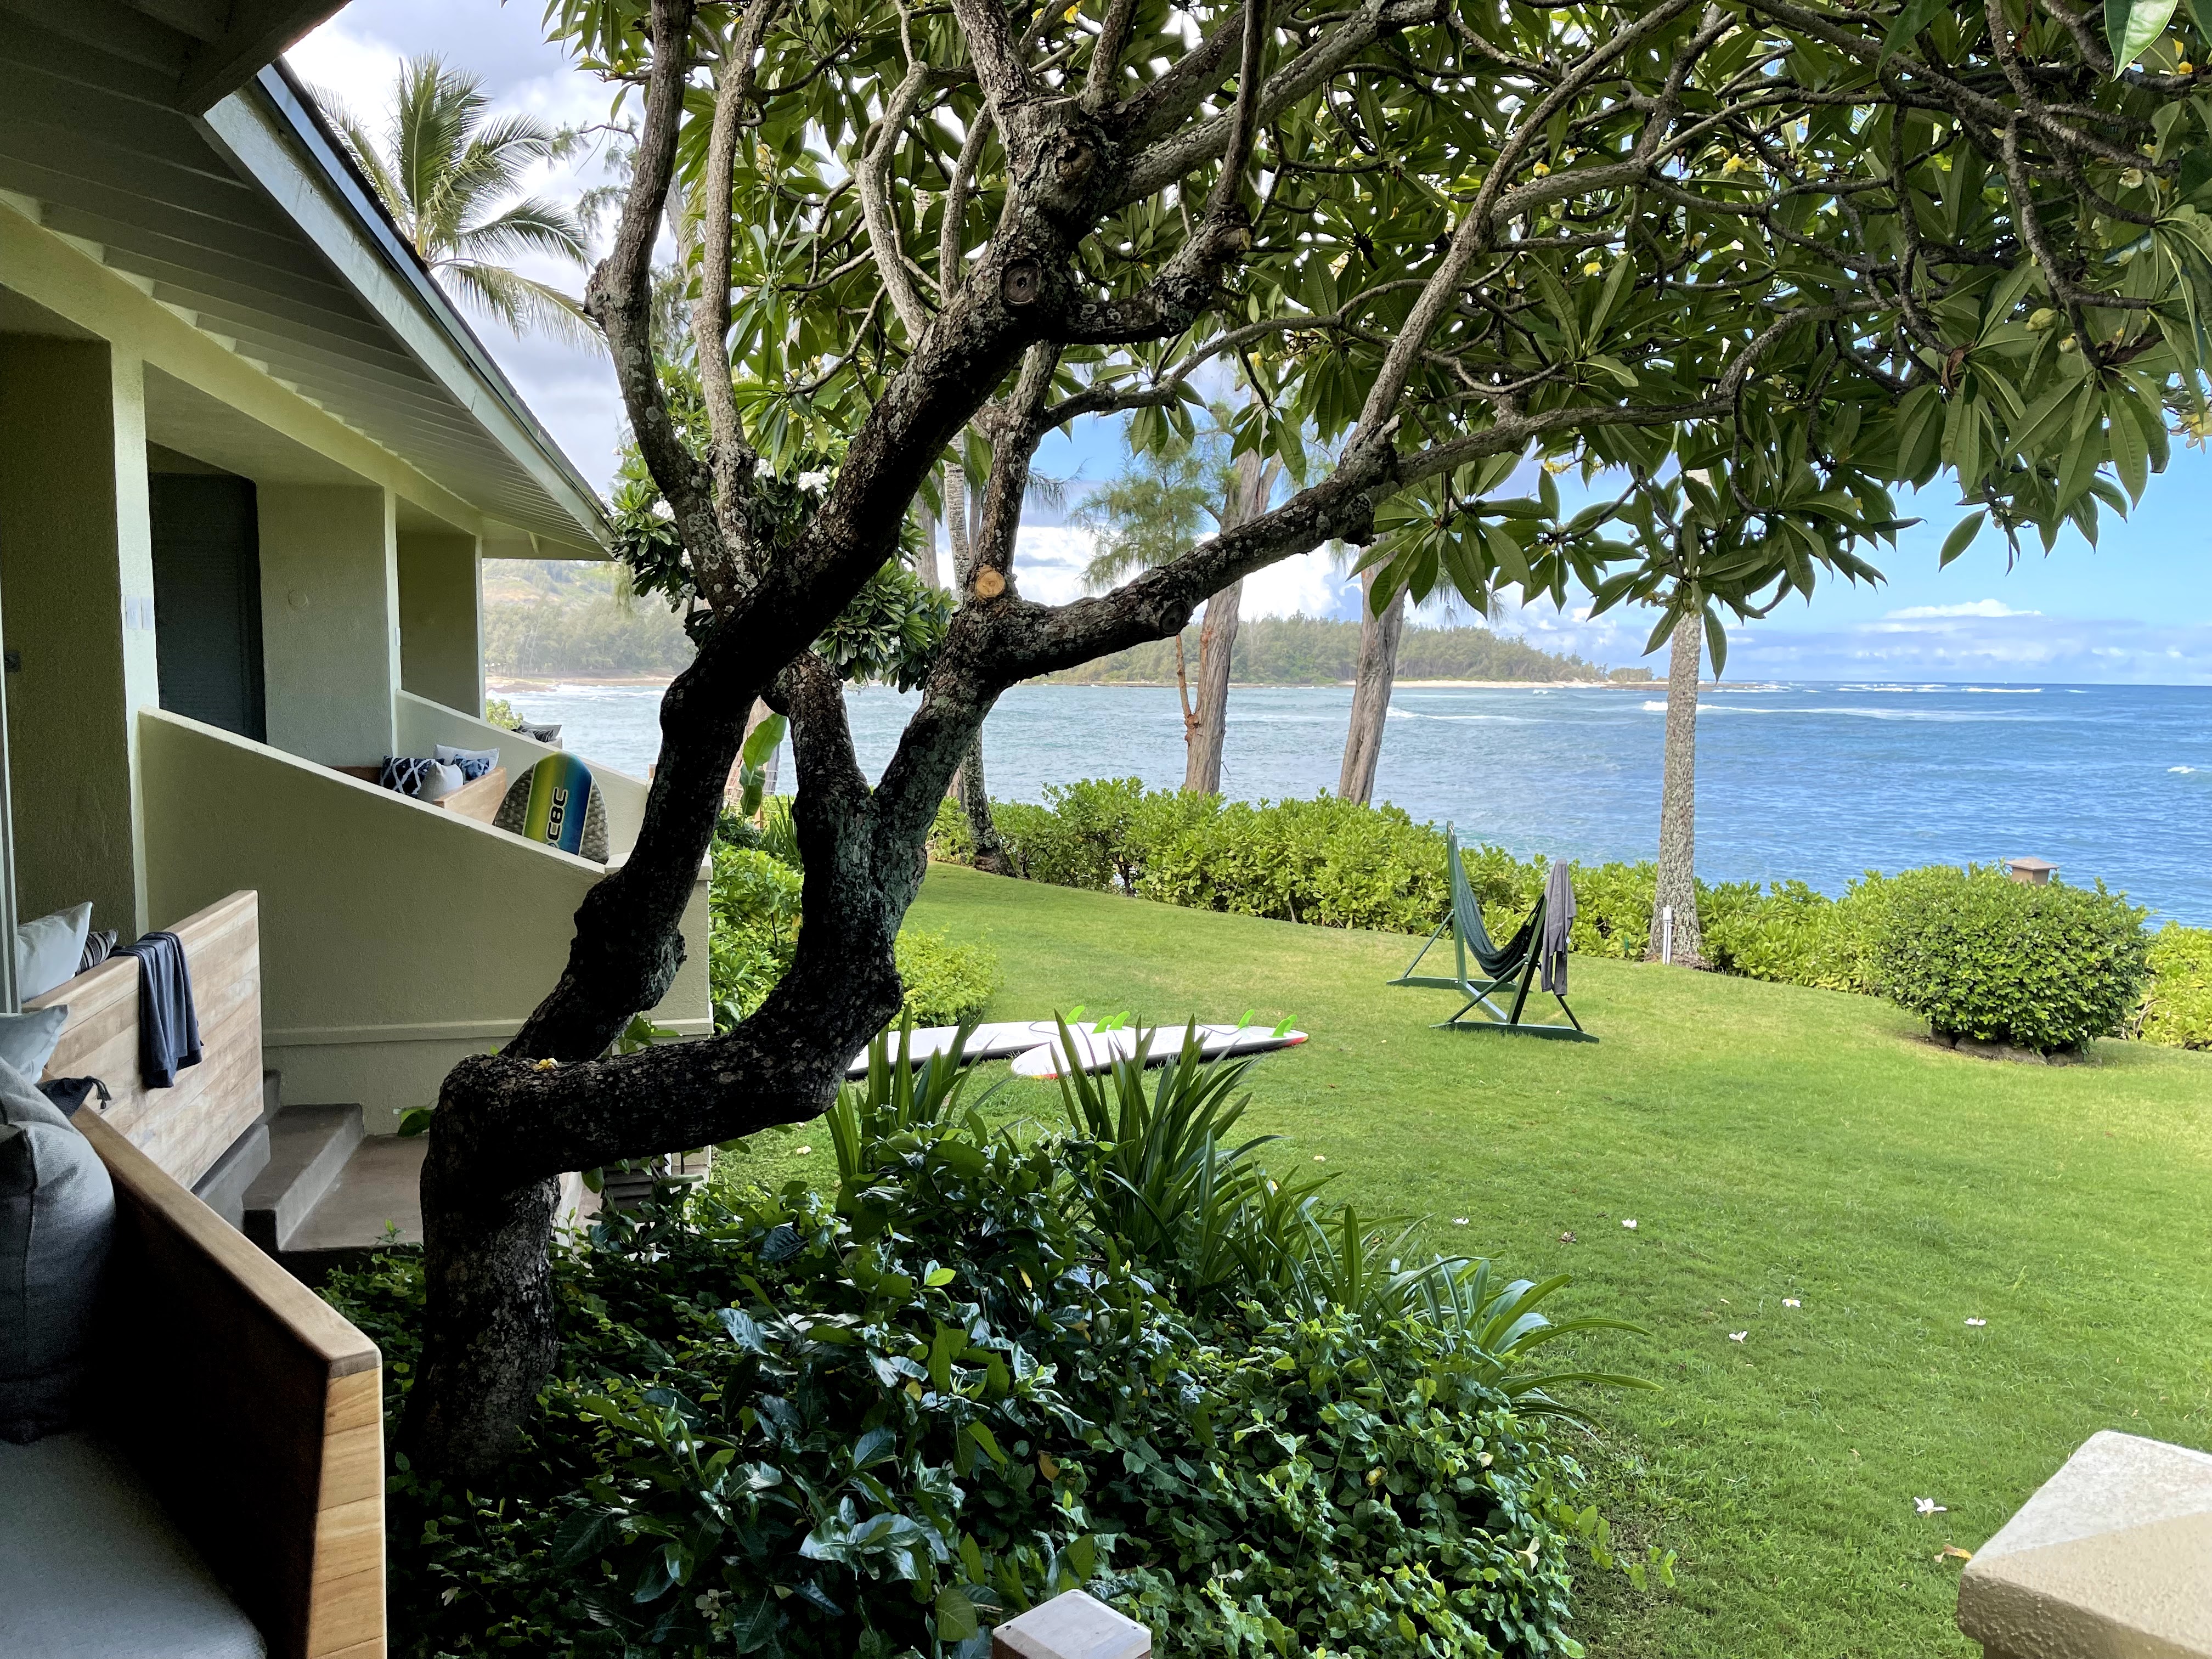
point(1677, 887)
point(1151, 513)
point(446, 168)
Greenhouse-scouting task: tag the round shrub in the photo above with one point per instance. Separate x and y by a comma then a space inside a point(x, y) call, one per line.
point(1981, 956)
point(946, 983)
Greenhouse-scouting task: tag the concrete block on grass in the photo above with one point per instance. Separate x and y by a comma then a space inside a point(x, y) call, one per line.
point(2111, 1558)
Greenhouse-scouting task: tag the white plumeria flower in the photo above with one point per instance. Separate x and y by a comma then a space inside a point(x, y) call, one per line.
point(1320, 1158)
point(1738, 1336)
point(1459, 1221)
point(1929, 1506)
point(803, 1150)
point(1630, 1224)
point(662, 510)
point(1792, 1301)
point(1977, 1321)
point(813, 483)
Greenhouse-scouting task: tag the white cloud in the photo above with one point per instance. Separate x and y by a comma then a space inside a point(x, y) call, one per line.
point(1048, 560)
point(1973, 608)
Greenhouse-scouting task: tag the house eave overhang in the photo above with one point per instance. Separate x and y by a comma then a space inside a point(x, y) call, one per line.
point(274, 134)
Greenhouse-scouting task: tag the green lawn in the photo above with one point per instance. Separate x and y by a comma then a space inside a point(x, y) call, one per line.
point(1770, 1142)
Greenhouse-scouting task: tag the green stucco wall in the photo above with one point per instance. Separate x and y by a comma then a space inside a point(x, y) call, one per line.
point(77, 591)
point(440, 637)
point(329, 620)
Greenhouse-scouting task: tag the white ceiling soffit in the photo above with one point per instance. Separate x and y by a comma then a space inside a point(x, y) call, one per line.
point(251, 225)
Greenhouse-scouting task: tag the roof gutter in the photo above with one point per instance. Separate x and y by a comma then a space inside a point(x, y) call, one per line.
point(319, 143)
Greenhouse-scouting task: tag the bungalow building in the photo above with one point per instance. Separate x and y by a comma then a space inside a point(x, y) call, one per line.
point(251, 459)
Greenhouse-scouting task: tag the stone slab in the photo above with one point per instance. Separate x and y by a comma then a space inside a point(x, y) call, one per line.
point(2111, 1558)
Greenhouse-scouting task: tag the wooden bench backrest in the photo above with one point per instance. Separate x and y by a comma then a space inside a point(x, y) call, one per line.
point(252, 1408)
point(185, 1128)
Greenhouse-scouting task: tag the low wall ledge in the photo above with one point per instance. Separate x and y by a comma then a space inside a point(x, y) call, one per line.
point(2111, 1558)
point(1072, 1625)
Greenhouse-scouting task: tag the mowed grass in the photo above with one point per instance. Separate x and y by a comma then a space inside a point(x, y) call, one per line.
point(1769, 1142)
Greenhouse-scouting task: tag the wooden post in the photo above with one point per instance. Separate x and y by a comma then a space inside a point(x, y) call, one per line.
point(1072, 1625)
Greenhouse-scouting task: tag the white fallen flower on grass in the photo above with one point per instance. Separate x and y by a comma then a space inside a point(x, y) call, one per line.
point(1929, 1506)
point(1459, 1221)
point(1630, 1224)
point(1977, 1321)
point(802, 1151)
point(1738, 1336)
point(1792, 1301)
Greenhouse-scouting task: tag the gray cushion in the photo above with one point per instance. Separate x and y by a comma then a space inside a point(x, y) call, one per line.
point(56, 1219)
point(90, 1567)
point(26, 1041)
point(47, 950)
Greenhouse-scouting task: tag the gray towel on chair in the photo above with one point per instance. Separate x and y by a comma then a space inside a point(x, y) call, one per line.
point(1558, 922)
point(168, 1024)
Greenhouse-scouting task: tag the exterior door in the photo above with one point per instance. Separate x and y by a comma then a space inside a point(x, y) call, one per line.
point(207, 600)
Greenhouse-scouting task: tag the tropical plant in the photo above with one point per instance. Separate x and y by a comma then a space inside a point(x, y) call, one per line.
point(1795, 256)
point(882, 1417)
point(447, 169)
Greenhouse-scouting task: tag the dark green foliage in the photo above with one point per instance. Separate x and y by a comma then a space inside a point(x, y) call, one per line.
point(877, 1420)
point(2179, 1008)
point(1311, 651)
point(1981, 956)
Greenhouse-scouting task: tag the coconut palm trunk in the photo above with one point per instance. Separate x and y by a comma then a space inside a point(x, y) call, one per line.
point(1677, 889)
point(961, 515)
point(1207, 726)
point(1371, 690)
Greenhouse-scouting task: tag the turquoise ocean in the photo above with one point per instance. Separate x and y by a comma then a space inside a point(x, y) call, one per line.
point(1810, 782)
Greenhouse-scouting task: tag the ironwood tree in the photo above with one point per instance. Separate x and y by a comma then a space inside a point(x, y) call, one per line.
point(1793, 252)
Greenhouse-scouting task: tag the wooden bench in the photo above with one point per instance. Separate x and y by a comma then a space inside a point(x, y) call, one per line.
point(184, 1129)
point(250, 1406)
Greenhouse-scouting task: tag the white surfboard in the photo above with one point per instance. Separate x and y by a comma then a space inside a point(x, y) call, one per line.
point(1097, 1050)
point(994, 1040)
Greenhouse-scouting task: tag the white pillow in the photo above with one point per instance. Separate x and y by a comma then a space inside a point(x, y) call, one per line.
point(464, 758)
point(47, 950)
point(439, 780)
point(27, 1041)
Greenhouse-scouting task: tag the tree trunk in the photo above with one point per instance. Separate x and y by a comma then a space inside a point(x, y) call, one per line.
point(962, 521)
point(1371, 690)
point(1217, 641)
point(1678, 802)
point(1209, 724)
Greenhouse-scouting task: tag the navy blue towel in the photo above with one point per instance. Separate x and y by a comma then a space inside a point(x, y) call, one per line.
point(168, 1026)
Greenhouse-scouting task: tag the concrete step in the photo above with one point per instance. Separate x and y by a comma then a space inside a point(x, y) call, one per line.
point(309, 1147)
point(375, 1201)
point(223, 1188)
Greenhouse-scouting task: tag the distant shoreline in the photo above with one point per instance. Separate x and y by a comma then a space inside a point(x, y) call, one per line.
point(499, 685)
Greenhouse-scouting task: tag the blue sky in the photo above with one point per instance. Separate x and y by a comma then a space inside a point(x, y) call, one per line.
point(2137, 609)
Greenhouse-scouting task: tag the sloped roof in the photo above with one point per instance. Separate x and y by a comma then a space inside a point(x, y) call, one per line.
point(249, 222)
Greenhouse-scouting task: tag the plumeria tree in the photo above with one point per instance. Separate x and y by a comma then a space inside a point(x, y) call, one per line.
point(1804, 251)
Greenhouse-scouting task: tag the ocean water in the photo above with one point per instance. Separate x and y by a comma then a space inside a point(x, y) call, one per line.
point(1812, 782)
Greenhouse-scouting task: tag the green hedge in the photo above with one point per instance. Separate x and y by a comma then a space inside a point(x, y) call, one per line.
point(755, 932)
point(1336, 864)
point(2178, 1010)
